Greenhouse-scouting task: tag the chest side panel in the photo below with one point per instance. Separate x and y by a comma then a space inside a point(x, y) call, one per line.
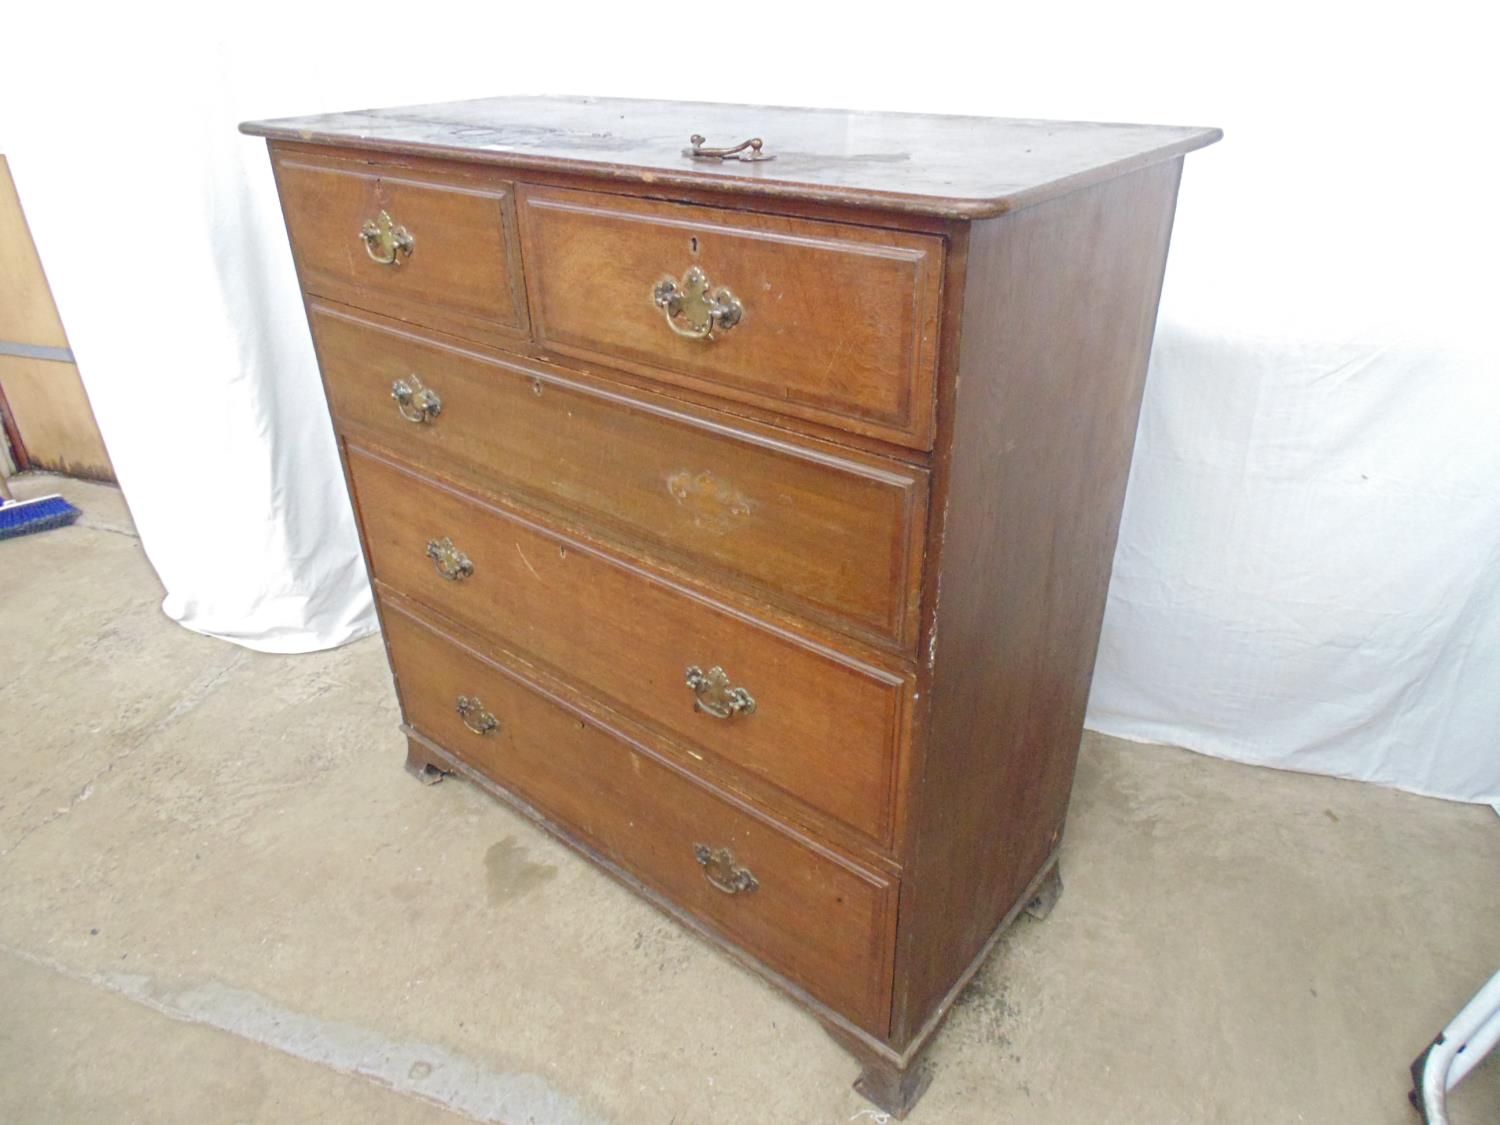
point(1059, 310)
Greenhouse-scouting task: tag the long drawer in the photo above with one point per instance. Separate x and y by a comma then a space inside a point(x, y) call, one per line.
point(824, 727)
point(824, 321)
point(828, 533)
point(820, 921)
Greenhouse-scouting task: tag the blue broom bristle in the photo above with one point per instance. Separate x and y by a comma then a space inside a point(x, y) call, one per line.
point(26, 516)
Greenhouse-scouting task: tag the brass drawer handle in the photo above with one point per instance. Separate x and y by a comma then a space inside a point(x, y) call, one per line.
point(416, 402)
point(718, 864)
point(448, 560)
point(694, 309)
point(714, 695)
point(385, 242)
point(746, 150)
point(476, 718)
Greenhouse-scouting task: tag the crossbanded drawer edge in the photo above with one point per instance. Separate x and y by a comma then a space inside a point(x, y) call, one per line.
point(471, 603)
point(893, 630)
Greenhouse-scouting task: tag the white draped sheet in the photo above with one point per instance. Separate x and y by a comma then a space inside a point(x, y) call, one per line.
point(1307, 570)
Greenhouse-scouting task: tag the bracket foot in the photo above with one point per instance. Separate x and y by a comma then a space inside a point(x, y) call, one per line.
point(421, 765)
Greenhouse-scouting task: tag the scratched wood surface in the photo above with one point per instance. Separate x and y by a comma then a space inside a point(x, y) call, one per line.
point(835, 534)
point(827, 729)
point(966, 167)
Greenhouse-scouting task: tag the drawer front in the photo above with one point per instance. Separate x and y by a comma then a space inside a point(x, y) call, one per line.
point(459, 272)
point(821, 922)
point(837, 323)
point(821, 726)
point(827, 534)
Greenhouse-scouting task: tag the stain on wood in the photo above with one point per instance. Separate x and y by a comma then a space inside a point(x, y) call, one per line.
point(716, 505)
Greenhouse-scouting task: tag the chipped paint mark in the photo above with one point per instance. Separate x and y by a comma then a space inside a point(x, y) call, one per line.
point(937, 600)
point(937, 589)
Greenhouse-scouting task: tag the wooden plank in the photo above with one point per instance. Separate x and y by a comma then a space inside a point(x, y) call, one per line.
point(27, 314)
point(53, 417)
point(48, 421)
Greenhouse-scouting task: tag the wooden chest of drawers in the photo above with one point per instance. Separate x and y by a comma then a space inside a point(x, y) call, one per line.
point(747, 522)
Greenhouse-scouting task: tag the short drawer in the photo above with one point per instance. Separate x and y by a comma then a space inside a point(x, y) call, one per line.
point(423, 248)
point(829, 534)
point(823, 727)
point(836, 324)
point(823, 923)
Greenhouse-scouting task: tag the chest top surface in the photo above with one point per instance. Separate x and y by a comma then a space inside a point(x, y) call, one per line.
point(960, 167)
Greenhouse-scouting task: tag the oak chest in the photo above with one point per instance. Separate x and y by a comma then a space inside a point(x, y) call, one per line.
point(744, 513)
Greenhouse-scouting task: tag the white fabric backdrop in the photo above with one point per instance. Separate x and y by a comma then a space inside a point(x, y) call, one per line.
point(1307, 574)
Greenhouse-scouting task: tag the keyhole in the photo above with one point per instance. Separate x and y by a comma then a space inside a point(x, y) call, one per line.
point(536, 387)
point(693, 244)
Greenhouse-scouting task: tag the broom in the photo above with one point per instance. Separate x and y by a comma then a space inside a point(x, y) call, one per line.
point(21, 517)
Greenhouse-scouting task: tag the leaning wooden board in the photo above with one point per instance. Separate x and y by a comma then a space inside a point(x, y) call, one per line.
point(766, 502)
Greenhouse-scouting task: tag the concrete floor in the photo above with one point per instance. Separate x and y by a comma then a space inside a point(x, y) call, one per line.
point(221, 899)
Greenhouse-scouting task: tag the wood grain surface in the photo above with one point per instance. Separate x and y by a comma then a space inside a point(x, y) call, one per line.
point(832, 533)
point(839, 323)
point(827, 729)
point(962, 167)
point(1059, 310)
point(463, 274)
